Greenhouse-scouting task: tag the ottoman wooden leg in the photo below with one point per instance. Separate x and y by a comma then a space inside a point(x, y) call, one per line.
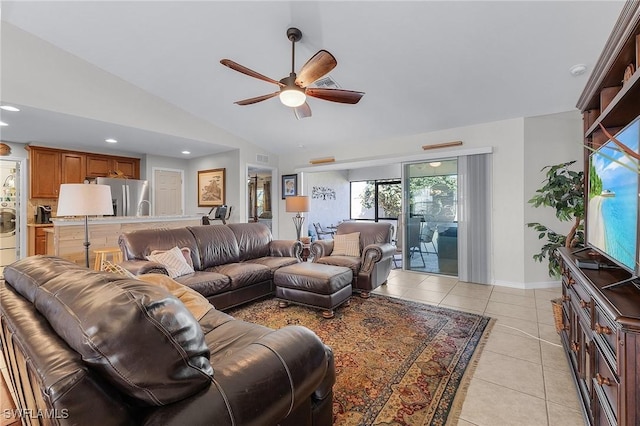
point(283, 304)
point(365, 294)
point(328, 314)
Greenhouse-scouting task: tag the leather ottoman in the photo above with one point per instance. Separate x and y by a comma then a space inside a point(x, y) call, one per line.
point(313, 284)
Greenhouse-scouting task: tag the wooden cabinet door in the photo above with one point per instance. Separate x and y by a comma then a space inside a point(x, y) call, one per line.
point(129, 166)
point(99, 165)
point(44, 173)
point(74, 167)
point(41, 241)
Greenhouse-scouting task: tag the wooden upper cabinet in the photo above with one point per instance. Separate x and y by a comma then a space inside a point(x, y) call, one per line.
point(45, 172)
point(98, 165)
point(50, 167)
point(73, 167)
point(129, 166)
point(104, 165)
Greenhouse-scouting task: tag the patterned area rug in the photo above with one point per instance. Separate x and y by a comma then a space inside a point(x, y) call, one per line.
point(397, 362)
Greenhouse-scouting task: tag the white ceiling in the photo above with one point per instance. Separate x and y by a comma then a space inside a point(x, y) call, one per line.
point(424, 65)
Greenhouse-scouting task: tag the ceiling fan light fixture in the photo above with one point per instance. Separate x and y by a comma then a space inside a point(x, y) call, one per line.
point(292, 97)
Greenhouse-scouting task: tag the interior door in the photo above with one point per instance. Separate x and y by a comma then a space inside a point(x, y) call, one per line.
point(167, 192)
point(430, 212)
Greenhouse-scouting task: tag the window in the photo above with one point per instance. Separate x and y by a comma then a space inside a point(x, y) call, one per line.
point(376, 199)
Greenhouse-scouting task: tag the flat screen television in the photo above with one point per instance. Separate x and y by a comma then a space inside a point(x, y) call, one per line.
point(613, 201)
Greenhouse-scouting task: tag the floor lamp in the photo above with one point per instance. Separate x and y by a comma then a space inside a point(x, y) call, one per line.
point(78, 199)
point(297, 204)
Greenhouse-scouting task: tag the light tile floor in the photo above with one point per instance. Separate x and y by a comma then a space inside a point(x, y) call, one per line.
point(520, 380)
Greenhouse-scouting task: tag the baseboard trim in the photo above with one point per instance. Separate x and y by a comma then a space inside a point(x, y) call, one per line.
point(529, 286)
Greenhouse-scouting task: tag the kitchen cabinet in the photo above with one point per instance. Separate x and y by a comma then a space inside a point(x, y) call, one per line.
point(51, 167)
point(37, 239)
point(44, 172)
point(103, 166)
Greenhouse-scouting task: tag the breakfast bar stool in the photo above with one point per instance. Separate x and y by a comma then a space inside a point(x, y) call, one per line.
point(103, 254)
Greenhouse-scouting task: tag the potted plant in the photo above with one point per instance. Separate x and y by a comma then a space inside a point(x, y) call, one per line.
point(563, 190)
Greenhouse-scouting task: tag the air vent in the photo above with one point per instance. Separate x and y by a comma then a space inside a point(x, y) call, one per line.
point(326, 83)
point(260, 158)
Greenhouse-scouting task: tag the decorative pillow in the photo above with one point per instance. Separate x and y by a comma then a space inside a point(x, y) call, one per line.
point(346, 245)
point(196, 303)
point(173, 261)
point(186, 252)
point(108, 266)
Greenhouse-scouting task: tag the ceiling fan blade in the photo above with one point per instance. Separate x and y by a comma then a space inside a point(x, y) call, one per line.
point(319, 64)
point(244, 70)
point(257, 99)
point(303, 111)
point(335, 95)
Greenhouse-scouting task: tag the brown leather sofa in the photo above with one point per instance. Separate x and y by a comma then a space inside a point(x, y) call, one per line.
point(233, 263)
point(87, 347)
point(371, 269)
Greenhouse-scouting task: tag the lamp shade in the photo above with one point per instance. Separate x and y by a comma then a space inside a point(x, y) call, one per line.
point(292, 97)
point(79, 199)
point(297, 204)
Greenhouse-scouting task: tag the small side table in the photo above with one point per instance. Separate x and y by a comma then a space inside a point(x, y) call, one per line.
point(306, 251)
point(103, 254)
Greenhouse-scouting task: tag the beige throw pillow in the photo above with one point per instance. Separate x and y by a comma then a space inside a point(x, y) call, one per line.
point(346, 245)
point(173, 261)
point(196, 303)
point(186, 252)
point(108, 266)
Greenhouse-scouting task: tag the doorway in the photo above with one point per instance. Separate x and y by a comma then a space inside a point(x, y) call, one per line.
point(260, 195)
point(9, 213)
point(430, 209)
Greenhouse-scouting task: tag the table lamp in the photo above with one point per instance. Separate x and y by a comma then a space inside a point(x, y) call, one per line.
point(78, 199)
point(297, 204)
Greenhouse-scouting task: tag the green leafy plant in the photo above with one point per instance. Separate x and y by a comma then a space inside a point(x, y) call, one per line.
point(563, 190)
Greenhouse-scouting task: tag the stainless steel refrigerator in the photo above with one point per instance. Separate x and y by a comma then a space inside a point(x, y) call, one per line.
point(130, 196)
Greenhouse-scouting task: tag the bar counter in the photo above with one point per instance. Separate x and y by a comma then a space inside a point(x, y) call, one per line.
point(66, 238)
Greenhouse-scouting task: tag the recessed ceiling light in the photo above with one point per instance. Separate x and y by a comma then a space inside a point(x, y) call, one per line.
point(578, 69)
point(435, 164)
point(111, 140)
point(9, 108)
point(2, 123)
point(186, 152)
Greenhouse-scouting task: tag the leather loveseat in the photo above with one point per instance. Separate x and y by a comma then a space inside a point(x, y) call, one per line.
point(233, 263)
point(372, 265)
point(88, 347)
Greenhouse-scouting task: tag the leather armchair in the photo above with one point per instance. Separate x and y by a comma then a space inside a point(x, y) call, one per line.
point(372, 268)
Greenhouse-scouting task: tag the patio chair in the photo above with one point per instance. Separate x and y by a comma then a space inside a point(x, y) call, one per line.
point(323, 232)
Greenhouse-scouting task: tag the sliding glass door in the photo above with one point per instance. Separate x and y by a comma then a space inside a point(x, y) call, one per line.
point(430, 213)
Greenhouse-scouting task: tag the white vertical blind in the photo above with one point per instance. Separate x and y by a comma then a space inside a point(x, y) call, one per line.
point(474, 219)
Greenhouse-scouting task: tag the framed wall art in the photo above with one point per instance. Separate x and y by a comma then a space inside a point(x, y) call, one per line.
point(289, 186)
point(211, 187)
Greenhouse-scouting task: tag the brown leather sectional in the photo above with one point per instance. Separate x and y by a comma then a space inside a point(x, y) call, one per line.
point(87, 347)
point(233, 263)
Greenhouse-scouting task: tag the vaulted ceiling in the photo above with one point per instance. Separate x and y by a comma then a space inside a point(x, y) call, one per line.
point(423, 65)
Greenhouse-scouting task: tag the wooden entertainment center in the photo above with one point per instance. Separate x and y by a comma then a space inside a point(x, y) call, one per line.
point(601, 327)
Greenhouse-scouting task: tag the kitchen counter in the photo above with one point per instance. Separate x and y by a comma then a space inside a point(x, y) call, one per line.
point(79, 220)
point(67, 237)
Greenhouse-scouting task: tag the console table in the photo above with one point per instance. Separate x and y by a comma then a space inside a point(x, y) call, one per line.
point(601, 337)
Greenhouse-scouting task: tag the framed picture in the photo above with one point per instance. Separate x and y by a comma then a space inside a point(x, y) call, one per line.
point(211, 187)
point(289, 186)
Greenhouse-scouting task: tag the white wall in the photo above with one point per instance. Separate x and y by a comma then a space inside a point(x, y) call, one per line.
point(549, 140)
point(326, 211)
point(521, 147)
point(235, 186)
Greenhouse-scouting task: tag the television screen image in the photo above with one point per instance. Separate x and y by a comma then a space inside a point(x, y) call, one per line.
point(612, 220)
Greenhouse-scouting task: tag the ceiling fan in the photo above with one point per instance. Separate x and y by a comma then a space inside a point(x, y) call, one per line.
point(294, 88)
